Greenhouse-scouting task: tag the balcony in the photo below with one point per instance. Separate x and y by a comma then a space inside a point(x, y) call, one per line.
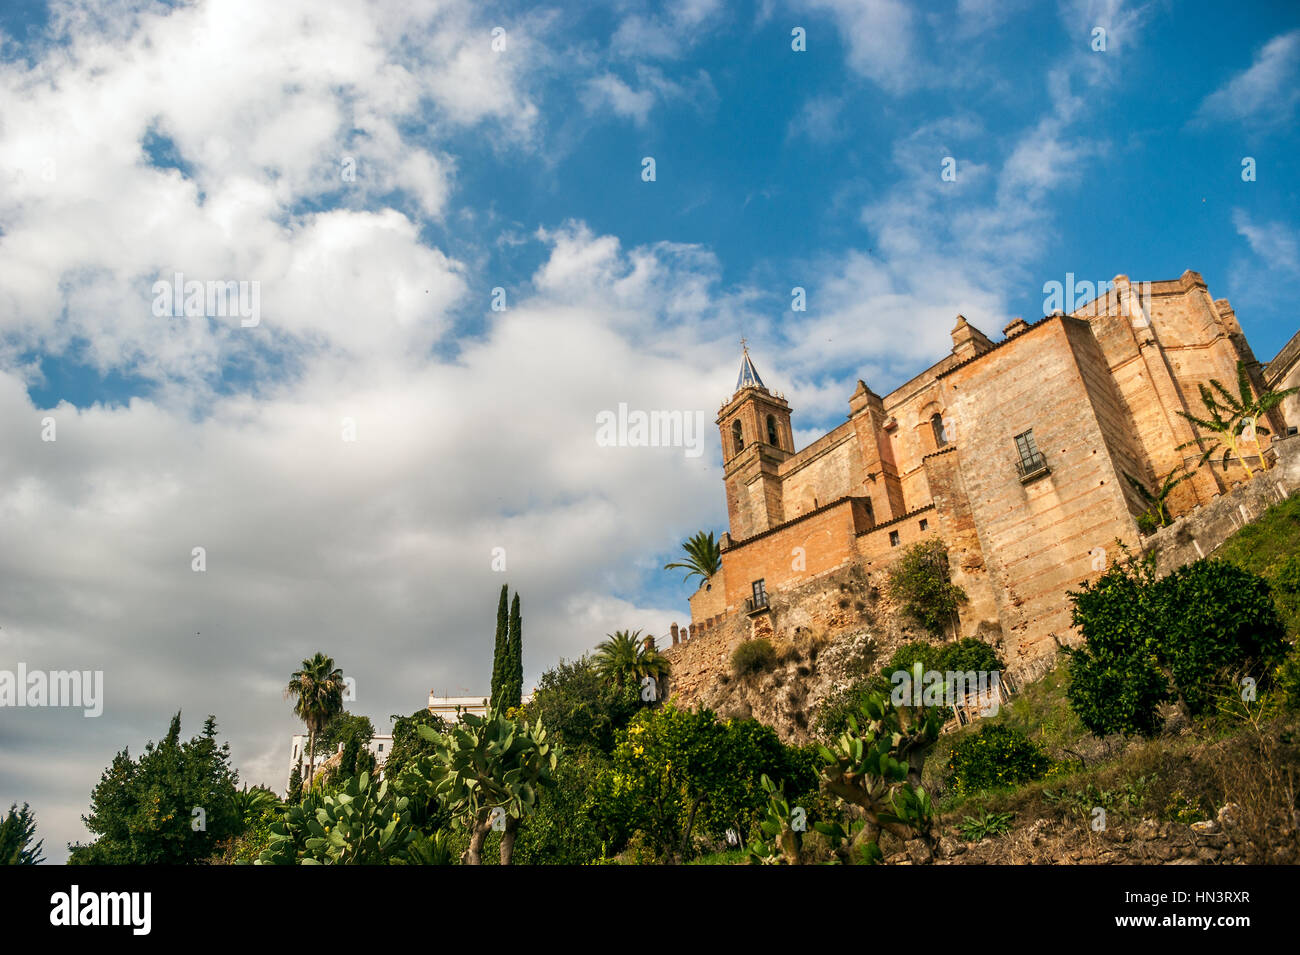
point(756, 604)
point(1032, 466)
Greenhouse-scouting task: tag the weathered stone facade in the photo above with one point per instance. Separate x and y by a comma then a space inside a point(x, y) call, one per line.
point(1014, 453)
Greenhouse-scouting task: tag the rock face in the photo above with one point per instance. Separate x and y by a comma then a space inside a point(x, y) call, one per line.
point(1070, 842)
point(826, 635)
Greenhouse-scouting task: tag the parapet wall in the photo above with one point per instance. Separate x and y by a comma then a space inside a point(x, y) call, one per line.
point(1199, 532)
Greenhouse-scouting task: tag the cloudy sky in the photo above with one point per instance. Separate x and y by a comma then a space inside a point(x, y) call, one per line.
point(350, 461)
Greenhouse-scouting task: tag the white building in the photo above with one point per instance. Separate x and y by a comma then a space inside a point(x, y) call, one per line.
point(380, 747)
point(445, 706)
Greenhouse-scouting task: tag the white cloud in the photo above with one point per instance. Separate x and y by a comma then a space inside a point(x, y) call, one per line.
point(666, 33)
point(1274, 243)
point(881, 40)
point(1266, 93)
point(377, 551)
point(820, 120)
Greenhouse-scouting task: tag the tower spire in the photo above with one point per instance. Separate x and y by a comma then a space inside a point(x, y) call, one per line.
point(748, 377)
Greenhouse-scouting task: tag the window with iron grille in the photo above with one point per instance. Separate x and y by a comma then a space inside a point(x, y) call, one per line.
point(893, 538)
point(1031, 459)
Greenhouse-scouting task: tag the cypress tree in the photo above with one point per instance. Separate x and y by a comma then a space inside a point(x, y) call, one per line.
point(500, 653)
point(516, 661)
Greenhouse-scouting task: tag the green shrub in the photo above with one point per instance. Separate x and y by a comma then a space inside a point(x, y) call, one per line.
point(677, 773)
point(969, 654)
point(909, 654)
point(582, 709)
point(1286, 679)
point(920, 584)
point(567, 827)
point(1181, 637)
point(753, 656)
point(994, 756)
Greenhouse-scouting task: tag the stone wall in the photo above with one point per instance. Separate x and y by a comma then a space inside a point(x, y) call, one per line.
point(1036, 534)
point(1199, 533)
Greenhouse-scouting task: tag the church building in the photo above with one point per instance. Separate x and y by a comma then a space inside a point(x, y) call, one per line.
point(1013, 452)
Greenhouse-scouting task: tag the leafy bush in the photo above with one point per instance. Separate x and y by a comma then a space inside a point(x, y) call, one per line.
point(969, 654)
point(1178, 638)
point(753, 656)
point(567, 827)
point(676, 772)
point(994, 756)
point(247, 847)
point(909, 654)
point(920, 583)
point(580, 708)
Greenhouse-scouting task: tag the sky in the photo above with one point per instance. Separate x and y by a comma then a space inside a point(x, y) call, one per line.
point(455, 261)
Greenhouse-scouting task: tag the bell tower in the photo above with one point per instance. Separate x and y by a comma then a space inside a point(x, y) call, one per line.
point(756, 437)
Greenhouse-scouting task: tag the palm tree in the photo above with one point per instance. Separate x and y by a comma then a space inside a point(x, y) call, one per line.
point(1233, 418)
point(1156, 502)
point(703, 557)
point(624, 656)
point(251, 803)
point(1262, 405)
point(317, 691)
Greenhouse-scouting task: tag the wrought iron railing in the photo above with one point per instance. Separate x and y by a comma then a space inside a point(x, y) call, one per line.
point(1032, 466)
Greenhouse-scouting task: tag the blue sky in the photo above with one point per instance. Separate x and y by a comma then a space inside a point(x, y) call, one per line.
point(138, 140)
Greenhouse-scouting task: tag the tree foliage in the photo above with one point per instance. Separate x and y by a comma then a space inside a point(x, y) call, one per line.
point(703, 557)
point(581, 708)
point(675, 772)
point(1150, 640)
point(508, 656)
point(18, 845)
point(501, 648)
point(144, 811)
point(993, 756)
point(353, 733)
point(624, 658)
point(317, 692)
point(920, 583)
